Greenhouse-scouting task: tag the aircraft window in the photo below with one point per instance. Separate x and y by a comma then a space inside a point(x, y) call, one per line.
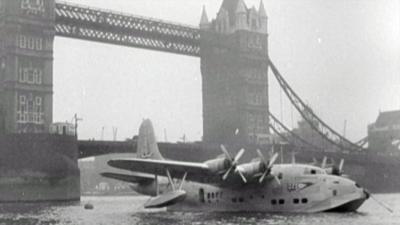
point(216, 195)
point(273, 201)
point(241, 199)
point(336, 182)
point(304, 200)
point(313, 171)
point(357, 185)
point(212, 195)
point(201, 195)
point(296, 201)
point(281, 201)
point(334, 192)
point(280, 176)
point(208, 195)
point(234, 200)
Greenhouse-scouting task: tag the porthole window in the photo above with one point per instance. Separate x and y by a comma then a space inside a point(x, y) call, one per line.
point(304, 200)
point(273, 202)
point(296, 201)
point(281, 201)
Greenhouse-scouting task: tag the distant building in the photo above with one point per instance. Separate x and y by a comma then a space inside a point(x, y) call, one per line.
point(234, 67)
point(384, 134)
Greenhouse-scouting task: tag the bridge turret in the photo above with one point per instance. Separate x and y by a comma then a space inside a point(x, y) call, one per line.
point(254, 22)
point(263, 18)
point(204, 22)
point(241, 16)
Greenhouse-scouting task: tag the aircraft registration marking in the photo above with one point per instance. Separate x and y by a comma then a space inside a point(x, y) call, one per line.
point(298, 186)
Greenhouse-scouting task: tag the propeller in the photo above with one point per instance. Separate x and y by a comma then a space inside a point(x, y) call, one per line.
point(323, 164)
point(233, 162)
point(293, 157)
point(338, 170)
point(341, 164)
point(268, 165)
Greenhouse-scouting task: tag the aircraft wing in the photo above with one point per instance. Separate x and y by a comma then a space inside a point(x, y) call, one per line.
point(198, 172)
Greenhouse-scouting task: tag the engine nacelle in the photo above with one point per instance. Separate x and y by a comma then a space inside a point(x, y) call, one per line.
point(219, 164)
point(252, 168)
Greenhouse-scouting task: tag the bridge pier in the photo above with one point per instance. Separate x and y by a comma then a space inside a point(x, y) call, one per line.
point(34, 165)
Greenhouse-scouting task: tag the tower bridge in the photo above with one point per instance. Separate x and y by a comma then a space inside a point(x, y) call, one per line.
point(233, 49)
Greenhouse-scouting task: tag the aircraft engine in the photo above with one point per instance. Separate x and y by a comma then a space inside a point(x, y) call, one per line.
point(260, 167)
point(225, 163)
point(333, 169)
point(252, 168)
point(219, 164)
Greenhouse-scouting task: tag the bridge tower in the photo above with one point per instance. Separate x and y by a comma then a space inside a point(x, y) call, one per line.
point(26, 61)
point(234, 52)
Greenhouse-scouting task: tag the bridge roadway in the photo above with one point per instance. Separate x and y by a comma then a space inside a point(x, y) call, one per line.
point(87, 23)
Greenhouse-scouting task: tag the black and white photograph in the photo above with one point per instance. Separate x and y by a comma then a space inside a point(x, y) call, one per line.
point(170, 112)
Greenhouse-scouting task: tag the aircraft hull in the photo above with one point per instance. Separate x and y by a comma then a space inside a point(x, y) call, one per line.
point(263, 199)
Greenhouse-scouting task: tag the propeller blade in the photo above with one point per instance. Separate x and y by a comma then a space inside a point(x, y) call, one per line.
point(293, 158)
point(262, 177)
point(242, 176)
point(226, 173)
point(315, 162)
point(239, 155)
point(272, 160)
point(261, 156)
point(341, 165)
point(226, 153)
point(323, 164)
point(277, 180)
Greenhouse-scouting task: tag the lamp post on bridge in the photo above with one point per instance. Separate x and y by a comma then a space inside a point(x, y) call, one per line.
point(76, 120)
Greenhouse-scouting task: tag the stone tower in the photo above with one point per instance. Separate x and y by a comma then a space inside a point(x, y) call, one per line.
point(234, 53)
point(26, 59)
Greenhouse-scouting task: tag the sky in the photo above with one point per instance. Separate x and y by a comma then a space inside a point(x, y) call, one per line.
point(342, 57)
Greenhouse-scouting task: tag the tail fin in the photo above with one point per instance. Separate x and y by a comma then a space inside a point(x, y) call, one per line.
point(147, 145)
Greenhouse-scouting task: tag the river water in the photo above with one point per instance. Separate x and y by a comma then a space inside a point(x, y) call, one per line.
point(129, 210)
